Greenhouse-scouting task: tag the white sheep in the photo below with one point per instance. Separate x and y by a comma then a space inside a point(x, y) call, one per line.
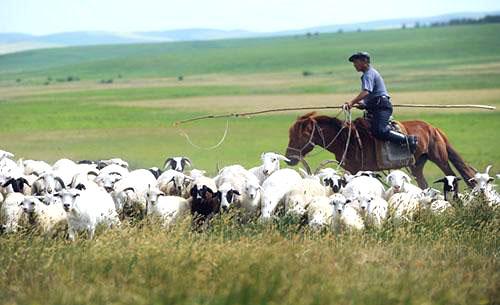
point(275, 187)
point(297, 199)
point(402, 206)
point(175, 183)
point(5, 154)
point(114, 169)
point(12, 212)
point(345, 214)
point(116, 161)
point(363, 185)
point(36, 167)
point(130, 192)
point(432, 200)
point(10, 169)
point(240, 189)
point(270, 164)
point(374, 209)
point(48, 216)
point(87, 209)
point(319, 212)
point(400, 182)
point(483, 188)
point(167, 208)
point(47, 183)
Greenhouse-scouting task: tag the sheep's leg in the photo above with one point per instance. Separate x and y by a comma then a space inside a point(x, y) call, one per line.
point(90, 232)
point(417, 171)
point(71, 234)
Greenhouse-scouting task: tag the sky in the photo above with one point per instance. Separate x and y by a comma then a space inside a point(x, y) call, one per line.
point(42, 17)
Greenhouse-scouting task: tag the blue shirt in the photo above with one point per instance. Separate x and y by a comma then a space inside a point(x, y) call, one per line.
point(372, 82)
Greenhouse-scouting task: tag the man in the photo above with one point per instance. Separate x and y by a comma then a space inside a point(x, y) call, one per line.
point(376, 100)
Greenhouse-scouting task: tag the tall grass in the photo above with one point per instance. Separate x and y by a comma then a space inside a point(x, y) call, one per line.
point(447, 259)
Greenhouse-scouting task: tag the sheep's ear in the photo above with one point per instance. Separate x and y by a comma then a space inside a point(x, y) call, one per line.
point(491, 179)
point(218, 195)
point(92, 173)
point(388, 178)
point(442, 180)
point(10, 181)
point(408, 179)
point(185, 161)
point(283, 158)
point(25, 181)
point(458, 178)
point(167, 162)
point(236, 192)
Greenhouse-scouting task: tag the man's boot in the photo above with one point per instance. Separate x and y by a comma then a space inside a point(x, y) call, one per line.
point(400, 138)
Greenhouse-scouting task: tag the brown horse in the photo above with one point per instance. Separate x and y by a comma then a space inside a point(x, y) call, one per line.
point(332, 134)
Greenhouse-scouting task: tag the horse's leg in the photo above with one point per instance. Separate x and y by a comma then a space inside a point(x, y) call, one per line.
point(417, 170)
point(444, 165)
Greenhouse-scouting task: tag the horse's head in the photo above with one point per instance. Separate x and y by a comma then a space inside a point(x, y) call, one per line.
point(300, 138)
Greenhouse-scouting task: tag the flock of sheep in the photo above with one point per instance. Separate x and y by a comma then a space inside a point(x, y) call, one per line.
point(79, 196)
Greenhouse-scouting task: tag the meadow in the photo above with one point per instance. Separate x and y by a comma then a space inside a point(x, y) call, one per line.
point(448, 259)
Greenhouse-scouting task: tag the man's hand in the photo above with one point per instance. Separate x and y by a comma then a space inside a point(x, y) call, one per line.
point(347, 107)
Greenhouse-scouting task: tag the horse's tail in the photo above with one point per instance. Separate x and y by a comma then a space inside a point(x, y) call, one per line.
point(465, 170)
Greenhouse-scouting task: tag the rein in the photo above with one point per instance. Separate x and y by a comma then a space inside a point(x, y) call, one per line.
point(347, 124)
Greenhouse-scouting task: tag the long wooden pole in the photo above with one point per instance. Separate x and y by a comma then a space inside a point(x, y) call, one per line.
point(227, 115)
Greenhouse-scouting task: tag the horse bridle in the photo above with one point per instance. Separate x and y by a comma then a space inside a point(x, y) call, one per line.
point(325, 147)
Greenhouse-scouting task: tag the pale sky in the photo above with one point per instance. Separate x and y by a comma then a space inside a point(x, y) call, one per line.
point(52, 16)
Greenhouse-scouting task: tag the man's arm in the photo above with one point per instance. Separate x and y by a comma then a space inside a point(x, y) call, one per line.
point(361, 96)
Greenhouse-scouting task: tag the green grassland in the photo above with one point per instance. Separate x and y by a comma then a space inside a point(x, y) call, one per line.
point(450, 259)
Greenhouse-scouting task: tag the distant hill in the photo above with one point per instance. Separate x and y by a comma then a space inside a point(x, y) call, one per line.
point(12, 42)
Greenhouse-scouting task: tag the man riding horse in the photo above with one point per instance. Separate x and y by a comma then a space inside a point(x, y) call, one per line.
point(375, 99)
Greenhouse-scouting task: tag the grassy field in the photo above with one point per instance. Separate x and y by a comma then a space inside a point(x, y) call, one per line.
point(450, 259)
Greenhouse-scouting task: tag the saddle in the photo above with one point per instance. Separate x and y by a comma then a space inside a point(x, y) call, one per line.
point(389, 155)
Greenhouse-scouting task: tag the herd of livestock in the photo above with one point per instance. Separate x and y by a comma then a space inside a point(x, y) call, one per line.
point(79, 196)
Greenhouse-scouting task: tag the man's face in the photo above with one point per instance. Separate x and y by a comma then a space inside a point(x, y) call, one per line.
point(360, 65)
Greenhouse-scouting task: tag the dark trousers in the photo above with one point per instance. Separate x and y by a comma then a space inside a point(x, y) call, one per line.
point(380, 110)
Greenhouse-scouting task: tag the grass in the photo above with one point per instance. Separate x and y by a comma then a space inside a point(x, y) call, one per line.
point(448, 259)
point(445, 259)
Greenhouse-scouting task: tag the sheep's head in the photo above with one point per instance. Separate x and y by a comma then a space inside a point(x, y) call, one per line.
point(271, 162)
point(228, 195)
point(364, 202)
point(180, 182)
point(205, 200)
point(153, 194)
point(68, 197)
point(429, 195)
point(252, 189)
point(177, 163)
point(108, 181)
point(397, 180)
point(50, 183)
point(330, 178)
point(338, 203)
point(28, 204)
point(482, 180)
point(450, 183)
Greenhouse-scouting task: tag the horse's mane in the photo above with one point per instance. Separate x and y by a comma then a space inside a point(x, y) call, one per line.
point(359, 123)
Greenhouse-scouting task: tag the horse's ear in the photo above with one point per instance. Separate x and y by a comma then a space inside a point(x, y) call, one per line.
point(306, 116)
point(307, 126)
